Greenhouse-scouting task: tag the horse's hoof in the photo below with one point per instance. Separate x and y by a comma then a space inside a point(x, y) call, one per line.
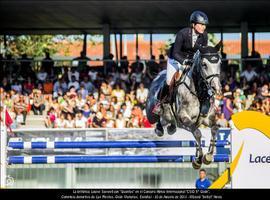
point(207, 158)
point(196, 164)
point(171, 129)
point(159, 132)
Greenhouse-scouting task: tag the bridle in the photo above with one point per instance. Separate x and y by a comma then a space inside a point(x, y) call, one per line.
point(206, 80)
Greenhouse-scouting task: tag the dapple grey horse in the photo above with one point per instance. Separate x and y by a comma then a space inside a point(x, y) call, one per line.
point(201, 79)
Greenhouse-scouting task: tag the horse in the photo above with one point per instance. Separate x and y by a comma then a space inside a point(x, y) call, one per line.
point(201, 80)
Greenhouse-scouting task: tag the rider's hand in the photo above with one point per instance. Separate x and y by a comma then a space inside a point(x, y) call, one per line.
point(187, 62)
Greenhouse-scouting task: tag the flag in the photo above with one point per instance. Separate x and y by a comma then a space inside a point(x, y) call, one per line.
point(8, 121)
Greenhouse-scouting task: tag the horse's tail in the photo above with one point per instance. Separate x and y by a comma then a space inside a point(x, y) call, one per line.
point(150, 103)
point(152, 97)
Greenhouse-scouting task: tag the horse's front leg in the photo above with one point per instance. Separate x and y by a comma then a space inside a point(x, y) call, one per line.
point(208, 157)
point(197, 162)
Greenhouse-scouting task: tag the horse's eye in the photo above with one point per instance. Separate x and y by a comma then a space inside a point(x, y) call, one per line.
point(204, 65)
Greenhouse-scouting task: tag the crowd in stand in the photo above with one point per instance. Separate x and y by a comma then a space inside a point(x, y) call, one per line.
point(114, 97)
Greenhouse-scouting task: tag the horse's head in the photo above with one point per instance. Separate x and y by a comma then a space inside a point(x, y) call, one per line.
point(209, 65)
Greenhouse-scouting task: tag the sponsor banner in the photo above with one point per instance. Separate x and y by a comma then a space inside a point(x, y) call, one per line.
point(253, 168)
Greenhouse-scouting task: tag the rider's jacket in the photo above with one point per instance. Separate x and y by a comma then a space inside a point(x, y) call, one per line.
point(182, 48)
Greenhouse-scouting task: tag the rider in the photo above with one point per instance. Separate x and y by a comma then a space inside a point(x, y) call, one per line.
point(187, 42)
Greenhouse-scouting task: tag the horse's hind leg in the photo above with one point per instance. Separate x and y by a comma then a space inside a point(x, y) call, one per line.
point(208, 157)
point(197, 162)
point(171, 129)
point(159, 129)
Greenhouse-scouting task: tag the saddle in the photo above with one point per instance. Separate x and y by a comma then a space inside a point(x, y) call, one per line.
point(176, 81)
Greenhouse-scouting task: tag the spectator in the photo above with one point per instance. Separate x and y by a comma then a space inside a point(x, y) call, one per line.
point(70, 123)
point(142, 94)
point(98, 120)
point(134, 122)
point(8, 102)
point(152, 68)
point(137, 76)
point(257, 61)
point(120, 121)
point(5, 84)
point(86, 110)
point(239, 100)
point(162, 62)
point(50, 118)
point(21, 109)
point(48, 87)
point(82, 62)
point(88, 85)
point(17, 86)
point(146, 123)
point(111, 80)
point(110, 123)
point(42, 75)
point(80, 102)
point(264, 96)
point(224, 66)
point(82, 91)
point(93, 74)
point(124, 63)
point(28, 86)
point(38, 103)
point(202, 182)
point(124, 75)
point(227, 105)
point(74, 83)
point(61, 121)
point(73, 72)
point(47, 64)
point(126, 111)
point(105, 89)
point(80, 121)
point(264, 93)
point(249, 74)
point(137, 66)
point(110, 65)
point(111, 112)
point(13, 116)
point(118, 93)
point(59, 86)
point(128, 101)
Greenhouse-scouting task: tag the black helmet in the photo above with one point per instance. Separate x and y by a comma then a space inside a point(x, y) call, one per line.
point(199, 17)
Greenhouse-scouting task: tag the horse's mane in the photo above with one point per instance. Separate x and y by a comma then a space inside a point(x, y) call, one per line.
point(208, 50)
point(204, 52)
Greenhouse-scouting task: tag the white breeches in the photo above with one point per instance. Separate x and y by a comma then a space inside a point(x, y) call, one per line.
point(173, 66)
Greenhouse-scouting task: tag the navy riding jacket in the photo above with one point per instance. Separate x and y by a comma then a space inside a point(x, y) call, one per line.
point(182, 48)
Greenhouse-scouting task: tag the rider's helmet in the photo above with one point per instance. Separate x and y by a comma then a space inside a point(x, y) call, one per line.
point(199, 17)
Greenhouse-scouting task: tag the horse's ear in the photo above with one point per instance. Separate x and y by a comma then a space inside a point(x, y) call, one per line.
point(218, 45)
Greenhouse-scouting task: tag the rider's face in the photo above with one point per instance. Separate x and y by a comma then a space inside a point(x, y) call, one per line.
point(199, 28)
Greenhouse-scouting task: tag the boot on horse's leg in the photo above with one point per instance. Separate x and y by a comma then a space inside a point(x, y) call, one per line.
point(171, 129)
point(163, 95)
point(159, 129)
